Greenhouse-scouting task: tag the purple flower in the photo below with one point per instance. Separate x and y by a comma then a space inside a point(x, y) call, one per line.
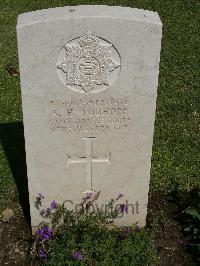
point(89, 195)
point(54, 205)
point(40, 196)
point(120, 195)
point(42, 253)
point(77, 255)
point(123, 208)
point(44, 233)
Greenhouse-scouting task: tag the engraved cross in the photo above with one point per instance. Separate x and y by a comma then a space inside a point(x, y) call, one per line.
point(88, 159)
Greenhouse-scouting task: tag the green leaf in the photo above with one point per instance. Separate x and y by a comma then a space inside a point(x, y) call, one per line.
point(187, 229)
point(194, 213)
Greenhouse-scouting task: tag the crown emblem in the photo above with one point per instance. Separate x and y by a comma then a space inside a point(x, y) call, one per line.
point(87, 63)
point(88, 42)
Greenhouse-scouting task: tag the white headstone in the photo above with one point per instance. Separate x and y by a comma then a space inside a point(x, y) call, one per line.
point(89, 79)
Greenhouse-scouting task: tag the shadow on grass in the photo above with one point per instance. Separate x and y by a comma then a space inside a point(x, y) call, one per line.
point(12, 139)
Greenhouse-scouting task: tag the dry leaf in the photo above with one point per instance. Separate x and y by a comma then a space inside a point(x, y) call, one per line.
point(12, 71)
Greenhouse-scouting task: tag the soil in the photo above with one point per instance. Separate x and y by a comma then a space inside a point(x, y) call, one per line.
point(171, 245)
point(15, 236)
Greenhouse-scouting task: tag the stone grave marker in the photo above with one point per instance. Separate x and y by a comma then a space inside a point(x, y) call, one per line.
point(89, 79)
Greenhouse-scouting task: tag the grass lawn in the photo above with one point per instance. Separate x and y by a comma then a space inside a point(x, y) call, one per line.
point(176, 149)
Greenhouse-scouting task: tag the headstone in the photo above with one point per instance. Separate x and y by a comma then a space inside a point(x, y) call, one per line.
point(89, 79)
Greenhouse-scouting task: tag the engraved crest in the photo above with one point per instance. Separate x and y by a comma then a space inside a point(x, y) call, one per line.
point(88, 64)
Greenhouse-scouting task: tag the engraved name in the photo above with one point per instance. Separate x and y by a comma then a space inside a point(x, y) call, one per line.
point(91, 115)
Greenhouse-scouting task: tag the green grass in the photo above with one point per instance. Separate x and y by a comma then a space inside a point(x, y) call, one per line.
point(176, 156)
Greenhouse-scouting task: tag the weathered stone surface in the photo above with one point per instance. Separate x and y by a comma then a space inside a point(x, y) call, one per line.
point(89, 80)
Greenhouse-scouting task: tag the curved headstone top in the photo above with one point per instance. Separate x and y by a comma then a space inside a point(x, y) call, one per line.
point(70, 12)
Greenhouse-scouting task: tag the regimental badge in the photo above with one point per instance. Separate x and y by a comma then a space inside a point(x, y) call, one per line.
point(89, 64)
